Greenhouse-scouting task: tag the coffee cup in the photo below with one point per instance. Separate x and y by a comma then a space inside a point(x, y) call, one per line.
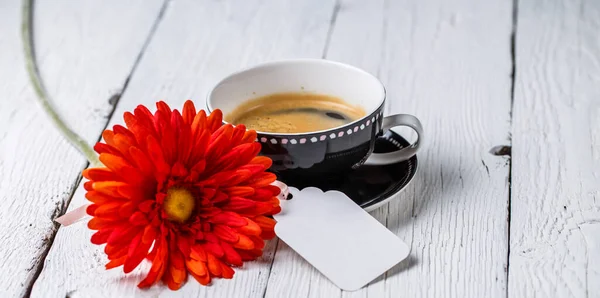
point(324, 152)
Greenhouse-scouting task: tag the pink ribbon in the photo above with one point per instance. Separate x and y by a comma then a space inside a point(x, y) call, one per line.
point(284, 190)
point(72, 216)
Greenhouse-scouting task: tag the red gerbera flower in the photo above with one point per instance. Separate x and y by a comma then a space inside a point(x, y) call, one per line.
point(182, 190)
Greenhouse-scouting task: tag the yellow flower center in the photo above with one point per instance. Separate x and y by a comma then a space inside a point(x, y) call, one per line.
point(179, 204)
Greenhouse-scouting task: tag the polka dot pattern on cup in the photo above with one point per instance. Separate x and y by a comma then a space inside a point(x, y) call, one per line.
point(328, 135)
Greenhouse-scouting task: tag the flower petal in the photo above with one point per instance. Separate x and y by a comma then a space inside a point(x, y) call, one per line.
point(251, 228)
point(199, 124)
point(164, 107)
point(100, 174)
point(168, 143)
point(158, 265)
point(110, 188)
point(89, 185)
point(214, 265)
point(198, 253)
point(137, 127)
point(258, 243)
point(264, 193)
point(248, 255)
point(116, 251)
point(214, 120)
point(262, 160)
point(108, 136)
point(146, 206)
point(150, 234)
point(127, 209)
point(116, 263)
point(200, 147)
point(212, 248)
point(226, 233)
point(101, 236)
point(249, 136)
point(138, 250)
point(244, 243)
point(240, 191)
point(185, 144)
point(262, 179)
point(138, 219)
point(179, 275)
point(97, 223)
point(238, 204)
point(203, 280)
point(219, 142)
point(108, 210)
point(238, 133)
point(106, 148)
point(231, 255)
point(189, 112)
point(228, 218)
point(196, 267)
point(123, 234)
point(142, 161)
point(156, 156)
point(237, 156)
point(226, 271)
point(267, 226)
point(100, 198)
point(177, 259)
point(184, 245)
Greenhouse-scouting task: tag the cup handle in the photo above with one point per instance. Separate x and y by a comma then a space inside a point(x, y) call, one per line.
point(377, 159)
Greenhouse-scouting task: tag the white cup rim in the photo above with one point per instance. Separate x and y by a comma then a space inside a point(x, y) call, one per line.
point(209, 96)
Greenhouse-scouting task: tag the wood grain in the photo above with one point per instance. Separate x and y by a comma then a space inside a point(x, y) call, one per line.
point(196, 44)
point(555, 210)
point(83, 68)
point(448, 63)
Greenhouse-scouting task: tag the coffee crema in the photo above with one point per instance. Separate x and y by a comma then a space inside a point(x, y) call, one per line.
point(296, 112)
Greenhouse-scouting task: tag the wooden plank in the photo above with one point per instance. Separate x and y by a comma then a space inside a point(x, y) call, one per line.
point(83, 68)
point(448, 63)
point(555, 209)
point(196, 44)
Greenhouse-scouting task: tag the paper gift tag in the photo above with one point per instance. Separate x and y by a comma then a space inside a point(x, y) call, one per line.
point(337, 237)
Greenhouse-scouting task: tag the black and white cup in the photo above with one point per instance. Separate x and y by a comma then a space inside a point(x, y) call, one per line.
point(322, 152)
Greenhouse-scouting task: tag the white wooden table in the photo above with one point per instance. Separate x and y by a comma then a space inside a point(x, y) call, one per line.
point(482, 219)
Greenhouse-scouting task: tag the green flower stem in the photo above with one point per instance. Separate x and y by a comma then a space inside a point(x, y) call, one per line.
point(34, 76)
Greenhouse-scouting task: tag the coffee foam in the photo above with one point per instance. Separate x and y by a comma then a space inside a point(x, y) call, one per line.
point(294, 113)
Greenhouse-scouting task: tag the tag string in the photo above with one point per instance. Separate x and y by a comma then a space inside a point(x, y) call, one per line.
point(285, 191)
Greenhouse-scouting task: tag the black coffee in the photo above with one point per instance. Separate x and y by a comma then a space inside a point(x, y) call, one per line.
point(294, 113)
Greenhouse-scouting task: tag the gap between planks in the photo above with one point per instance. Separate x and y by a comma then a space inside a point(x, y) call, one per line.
point(513, 44)
point(114, 101)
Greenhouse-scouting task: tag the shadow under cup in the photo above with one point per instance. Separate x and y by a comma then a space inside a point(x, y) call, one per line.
point(319, 154)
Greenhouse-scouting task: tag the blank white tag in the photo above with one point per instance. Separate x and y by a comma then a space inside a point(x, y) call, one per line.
point(337, 237)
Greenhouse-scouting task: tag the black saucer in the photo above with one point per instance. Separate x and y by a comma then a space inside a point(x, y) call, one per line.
point(369, 186)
